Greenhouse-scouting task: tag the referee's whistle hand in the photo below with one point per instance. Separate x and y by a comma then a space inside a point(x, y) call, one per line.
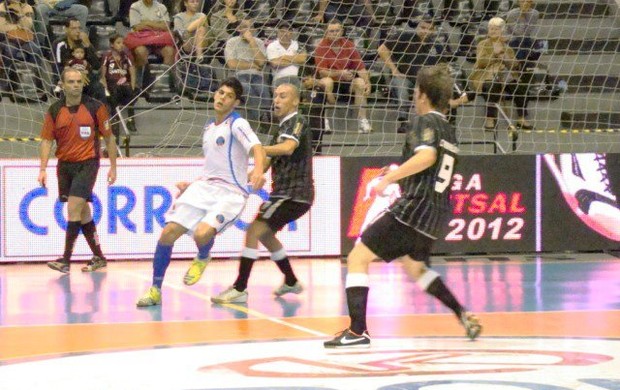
point(42, 179)
point(111, 177)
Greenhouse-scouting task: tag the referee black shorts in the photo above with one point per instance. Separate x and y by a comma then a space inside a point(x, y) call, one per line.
point(390, 239)
point(77, 179)
point(277, 212)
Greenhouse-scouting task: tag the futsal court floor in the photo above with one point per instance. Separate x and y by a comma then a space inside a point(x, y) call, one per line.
point(550, 323)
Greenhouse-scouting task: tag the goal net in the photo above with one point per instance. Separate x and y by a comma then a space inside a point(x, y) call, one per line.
point(547, 82)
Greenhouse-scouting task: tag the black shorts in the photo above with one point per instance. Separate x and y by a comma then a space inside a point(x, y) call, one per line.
point(77, 179)
point(390, 239)
point(342, 90)
point(277, 212)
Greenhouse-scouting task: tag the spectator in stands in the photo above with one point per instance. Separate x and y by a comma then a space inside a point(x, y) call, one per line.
point(492, 8)
point(149, 20)
point(192, 26)
point(522, 27)
point(313, 97)
point(122, 14)
point(118, 76)
point(78, 62)
point(260, 9)
point(285, 56)
point(405, 53)
point(63, 48)
point(224, 22)
point(246, 56)
point(360, 12)
point(18, 43)
point(70, 9)
point(340, 68)
point(496, 75)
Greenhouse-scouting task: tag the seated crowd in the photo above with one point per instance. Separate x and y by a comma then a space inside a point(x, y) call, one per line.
point(262, 53)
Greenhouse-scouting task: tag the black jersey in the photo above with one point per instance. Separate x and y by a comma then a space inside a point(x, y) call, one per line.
point(426, 195)
point(292, 175)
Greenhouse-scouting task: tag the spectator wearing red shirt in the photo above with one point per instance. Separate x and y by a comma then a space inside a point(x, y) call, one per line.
point(340, 68)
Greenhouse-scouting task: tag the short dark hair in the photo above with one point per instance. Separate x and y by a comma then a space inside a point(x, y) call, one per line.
point(71, 20)
point(234, 84)
point(436, 83)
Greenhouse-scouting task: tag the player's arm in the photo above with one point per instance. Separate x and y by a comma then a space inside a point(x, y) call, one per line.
point(284, 148)
point(257, 175)
point(421, 160)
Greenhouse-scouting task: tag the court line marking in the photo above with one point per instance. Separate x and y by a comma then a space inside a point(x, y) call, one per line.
point(233, 306)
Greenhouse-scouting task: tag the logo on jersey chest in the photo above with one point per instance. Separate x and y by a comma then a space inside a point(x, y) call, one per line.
point(85, 132)
point(220, 141)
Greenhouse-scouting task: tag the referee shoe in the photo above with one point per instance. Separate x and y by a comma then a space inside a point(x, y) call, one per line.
point(348, 339)
point(94, 264)
point(60, 265)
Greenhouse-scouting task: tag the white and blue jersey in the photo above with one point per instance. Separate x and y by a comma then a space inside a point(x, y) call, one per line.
point(226, 147)
point(218, 197)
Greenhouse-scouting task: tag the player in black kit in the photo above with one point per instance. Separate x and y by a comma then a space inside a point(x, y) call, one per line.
point(291, 196)
point(411, 224)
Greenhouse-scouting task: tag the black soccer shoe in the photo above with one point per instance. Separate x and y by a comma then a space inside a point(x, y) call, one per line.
point(348, 339)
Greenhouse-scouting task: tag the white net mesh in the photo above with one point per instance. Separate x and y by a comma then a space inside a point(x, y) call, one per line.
point(559, 75)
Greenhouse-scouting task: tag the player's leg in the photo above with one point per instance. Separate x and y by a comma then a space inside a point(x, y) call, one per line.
point(356, 289)
point(431, 282)
point(278, 254)
point(222, 207)
point(161, 260)
point(386, 238)
point(204, 236)
point(273, 217)
point(237, 293)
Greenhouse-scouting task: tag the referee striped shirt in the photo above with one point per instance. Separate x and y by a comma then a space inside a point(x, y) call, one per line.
point(426, 195)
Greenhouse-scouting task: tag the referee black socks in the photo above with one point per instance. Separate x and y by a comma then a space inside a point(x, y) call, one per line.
point(73, 230)
point(90, 233)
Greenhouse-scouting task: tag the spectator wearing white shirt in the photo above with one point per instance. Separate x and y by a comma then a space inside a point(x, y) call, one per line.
point(285, 56)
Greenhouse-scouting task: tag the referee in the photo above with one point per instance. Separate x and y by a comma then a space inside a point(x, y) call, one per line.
point(412, 223)
point(76, 122)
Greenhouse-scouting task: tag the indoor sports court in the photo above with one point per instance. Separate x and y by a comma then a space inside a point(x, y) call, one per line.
point(531, 243)
point(550, 322)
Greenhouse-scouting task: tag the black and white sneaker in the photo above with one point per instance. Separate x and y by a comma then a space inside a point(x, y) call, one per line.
point(348, 339)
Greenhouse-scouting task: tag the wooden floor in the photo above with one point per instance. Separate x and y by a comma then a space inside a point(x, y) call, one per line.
point(549, 323)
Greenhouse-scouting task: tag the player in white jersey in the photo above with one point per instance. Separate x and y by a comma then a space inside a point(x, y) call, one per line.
point(216, 199)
